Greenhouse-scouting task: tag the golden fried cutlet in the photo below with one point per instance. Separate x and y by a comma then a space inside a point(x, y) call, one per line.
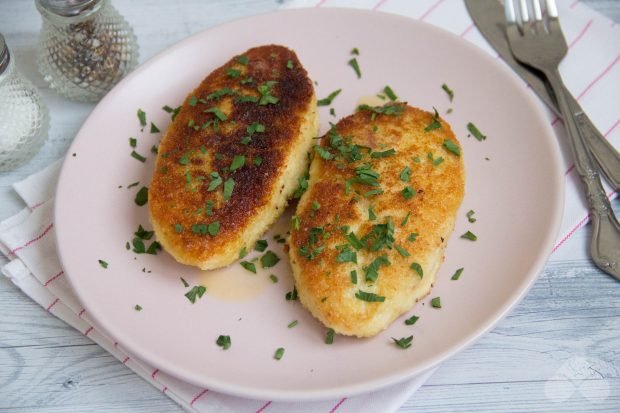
point(370, 232)
point(232, 157)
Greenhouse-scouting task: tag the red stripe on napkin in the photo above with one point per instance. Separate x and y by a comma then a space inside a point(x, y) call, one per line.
point(32, 241)
point(48, 282)
point(198, 396)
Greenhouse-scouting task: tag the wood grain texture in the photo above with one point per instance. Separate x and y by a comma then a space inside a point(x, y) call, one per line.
point(559, 350)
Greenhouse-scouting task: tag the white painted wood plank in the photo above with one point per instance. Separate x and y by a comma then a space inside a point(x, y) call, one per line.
point(571, 313)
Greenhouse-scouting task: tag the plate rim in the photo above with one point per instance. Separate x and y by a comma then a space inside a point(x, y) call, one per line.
point(366, 385)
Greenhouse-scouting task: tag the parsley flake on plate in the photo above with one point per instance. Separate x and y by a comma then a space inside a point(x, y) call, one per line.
point(224, 342)
point(195, 293)
point(404, 342)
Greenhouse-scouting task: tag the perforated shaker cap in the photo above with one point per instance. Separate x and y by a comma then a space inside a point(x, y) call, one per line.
point(5, 56)
point(69, 8)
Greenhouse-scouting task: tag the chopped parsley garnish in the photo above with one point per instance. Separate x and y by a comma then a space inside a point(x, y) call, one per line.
point(470, 236)
point(243, 59)
point(408, 192)
point(303, 186)
point(347, 256)
point(137, 307)
point(103, 263)
point(291, 295)
point(237, 162)
point(279, 353)
point(372, 216)
point(380, 235)
point(292, 324)
point(178, 228)
point(185, 283)
point(434, 161)
point(217, 112)
point(273, 278)
point(457, 274)
point(390, 93)
point(261, 245)
point(354, 241)
point(195, 293)
point(328, 100)
point(153, 248)
point(224, 342)
point(143, 234)
point(412, 320)
point(470, 216)
point(133, 142)
point(172, 111)
point(243, 252)
point(257, 161)
point(229, 186)
point(247, 80)
point(248, 266)
point(404, 221)
point(475, 132)
point(269, 259)
point(142, 196)
point(266, 97)
point(355, 51)
point(449, 91)
point(296, 222)
point(289, 64)
point(353, 63)
point(372, 270)
point(404, 342)
point(216, 180)
point(220, 93)
point(452, 147)
point(369, 297)
point(388, 110)
point(203, 229)
point(323, 153)
point(142, 118)
point(192, 100)
point(417, 268)
point(137, 156)
point(383, 154)
point(435, 123)
point(184, 159)
point(405, 174)
point(329, 336)
point(209, 207)
point(133, 184)
point(233, 73)
point(402, 251)
point(436, 302)
point(354, 277)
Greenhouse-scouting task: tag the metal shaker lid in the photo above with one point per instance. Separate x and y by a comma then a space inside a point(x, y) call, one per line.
point(69, 8)
point(5, 56)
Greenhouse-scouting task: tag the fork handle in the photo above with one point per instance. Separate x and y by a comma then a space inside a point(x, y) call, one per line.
point(603, 219)
point(603, 152)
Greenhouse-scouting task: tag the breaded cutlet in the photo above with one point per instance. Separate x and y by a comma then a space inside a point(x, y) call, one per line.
point(232, 157)
point(369, 234)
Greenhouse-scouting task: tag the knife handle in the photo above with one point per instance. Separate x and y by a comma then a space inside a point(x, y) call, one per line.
point(605, 155)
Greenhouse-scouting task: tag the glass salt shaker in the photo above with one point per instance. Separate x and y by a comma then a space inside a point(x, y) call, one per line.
point(85, 47)
point(23, 115)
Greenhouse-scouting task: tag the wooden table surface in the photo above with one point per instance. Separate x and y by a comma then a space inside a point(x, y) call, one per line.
point(565, 334)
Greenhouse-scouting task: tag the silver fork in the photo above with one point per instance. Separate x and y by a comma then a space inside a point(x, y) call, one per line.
point(540, 44)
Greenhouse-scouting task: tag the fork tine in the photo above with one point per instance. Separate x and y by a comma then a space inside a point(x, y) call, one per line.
point(523, 11)
point(509, 11)
point(552, 9)
point(537, 10)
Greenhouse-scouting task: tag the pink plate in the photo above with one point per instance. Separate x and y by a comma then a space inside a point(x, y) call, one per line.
point(514, 185)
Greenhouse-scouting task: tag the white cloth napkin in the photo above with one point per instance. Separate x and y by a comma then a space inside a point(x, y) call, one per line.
point(27, 238)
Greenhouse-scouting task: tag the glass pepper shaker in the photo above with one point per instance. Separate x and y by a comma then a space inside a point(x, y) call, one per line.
point(23, 115)
point(85, 47)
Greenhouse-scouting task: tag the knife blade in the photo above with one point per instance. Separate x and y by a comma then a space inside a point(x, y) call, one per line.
point(488, 16)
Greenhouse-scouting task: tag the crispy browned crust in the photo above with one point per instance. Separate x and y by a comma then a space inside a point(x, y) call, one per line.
point(325, 285)
point(178, 193)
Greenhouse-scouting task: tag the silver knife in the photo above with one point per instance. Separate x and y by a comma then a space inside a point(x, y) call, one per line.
point(488, 16)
